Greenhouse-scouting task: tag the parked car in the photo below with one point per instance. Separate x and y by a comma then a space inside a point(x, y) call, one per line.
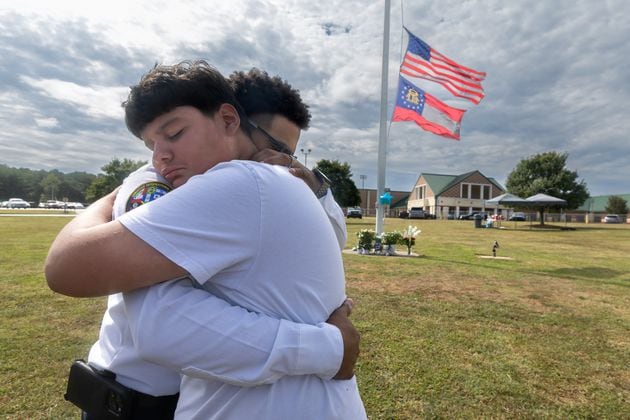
point(54, 204)
point(355, 212)
point(474, 215)
point(404, 214)
point(76, 206)
point(517, 216)
point(17, 203)
point(416, 213)
point(612, 218)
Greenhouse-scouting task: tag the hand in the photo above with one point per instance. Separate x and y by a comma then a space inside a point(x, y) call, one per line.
point(297, 169)
point(351, 337)
point(105, 205)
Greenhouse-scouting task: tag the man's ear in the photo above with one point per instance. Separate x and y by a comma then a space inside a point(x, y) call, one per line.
point(230, 118)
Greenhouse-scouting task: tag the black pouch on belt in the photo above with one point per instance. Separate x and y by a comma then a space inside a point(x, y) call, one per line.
point(96, 392)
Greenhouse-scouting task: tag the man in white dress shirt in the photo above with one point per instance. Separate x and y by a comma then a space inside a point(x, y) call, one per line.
point(189, 145)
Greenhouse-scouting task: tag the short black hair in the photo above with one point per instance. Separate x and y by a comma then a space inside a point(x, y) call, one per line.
point(259, 93)
point(164, 88)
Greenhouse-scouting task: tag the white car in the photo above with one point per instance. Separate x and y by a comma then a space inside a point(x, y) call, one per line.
point(54, 204)
point(612, 218)
point(354, 212)
point(17, 203)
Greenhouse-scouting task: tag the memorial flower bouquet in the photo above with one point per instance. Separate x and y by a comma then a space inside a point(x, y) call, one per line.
point(409, 237)
point(365, 239)
point(392, 238)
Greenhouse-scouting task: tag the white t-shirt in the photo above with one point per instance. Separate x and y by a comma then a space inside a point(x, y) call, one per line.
point(114, 349)
point(254, 235)
point(261, 350)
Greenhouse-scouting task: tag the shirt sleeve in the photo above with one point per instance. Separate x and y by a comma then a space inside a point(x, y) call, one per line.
point(203, 336)
point(335, 215)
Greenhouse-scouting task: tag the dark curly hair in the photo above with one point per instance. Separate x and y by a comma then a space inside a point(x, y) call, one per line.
point(259, 93)
point(165, 88)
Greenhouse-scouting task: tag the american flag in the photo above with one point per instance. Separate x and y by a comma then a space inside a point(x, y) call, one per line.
point(414, 104)
point(425, 62)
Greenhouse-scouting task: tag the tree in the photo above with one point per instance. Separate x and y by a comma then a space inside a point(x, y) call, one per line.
point(114, 174)
point(546, 173)
point(50, 184)
point(616, 205)
point(74, 186)
point(343, 188)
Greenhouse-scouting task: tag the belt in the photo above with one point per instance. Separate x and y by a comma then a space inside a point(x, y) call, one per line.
point(145, 407)
point(155, 408)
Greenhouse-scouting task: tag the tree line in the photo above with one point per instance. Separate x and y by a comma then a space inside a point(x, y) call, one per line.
point(38, 186)
point(541, 173)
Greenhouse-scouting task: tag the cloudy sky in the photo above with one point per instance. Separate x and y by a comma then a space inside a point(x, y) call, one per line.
point(556, 78)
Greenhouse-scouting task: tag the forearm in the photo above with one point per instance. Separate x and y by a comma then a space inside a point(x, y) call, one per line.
point(91, 256)
point(200, 335)
point(70, 242)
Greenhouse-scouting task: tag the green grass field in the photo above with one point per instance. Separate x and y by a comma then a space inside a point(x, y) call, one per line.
point(447, 334)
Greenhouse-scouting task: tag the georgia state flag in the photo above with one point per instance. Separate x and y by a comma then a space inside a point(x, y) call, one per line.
point(431, 114)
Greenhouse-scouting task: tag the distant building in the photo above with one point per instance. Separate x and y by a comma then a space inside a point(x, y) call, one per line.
point(448, 196)
point(369, 201)
point(594, 208)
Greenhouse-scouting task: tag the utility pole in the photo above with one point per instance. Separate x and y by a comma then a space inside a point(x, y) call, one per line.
point(363, 178)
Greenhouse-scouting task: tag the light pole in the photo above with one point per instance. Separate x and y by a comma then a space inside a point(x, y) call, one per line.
point(306, 152)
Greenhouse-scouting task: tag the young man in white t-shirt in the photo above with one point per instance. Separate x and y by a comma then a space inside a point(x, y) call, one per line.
point(244, 237)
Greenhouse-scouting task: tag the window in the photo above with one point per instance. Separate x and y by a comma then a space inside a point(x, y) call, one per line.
point(486, 192)
point(420, 192)
point(464, 193)
point(476, 191)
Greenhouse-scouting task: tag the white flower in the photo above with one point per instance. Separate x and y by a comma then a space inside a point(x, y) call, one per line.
point(411, 232)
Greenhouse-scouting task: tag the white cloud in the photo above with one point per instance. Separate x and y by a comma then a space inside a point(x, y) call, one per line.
point(95, 101)
point(47, 122)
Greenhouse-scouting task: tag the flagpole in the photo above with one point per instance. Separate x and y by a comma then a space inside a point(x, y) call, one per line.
point(382, 138)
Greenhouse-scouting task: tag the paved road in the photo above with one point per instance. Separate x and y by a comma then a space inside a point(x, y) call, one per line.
point(29, 214)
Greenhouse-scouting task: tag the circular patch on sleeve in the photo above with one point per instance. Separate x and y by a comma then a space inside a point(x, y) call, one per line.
point(145, 193)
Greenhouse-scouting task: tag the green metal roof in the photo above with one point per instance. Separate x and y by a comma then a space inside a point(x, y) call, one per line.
point(598, 203)
point(437, 182)
point(440, 183)
point(400, 203)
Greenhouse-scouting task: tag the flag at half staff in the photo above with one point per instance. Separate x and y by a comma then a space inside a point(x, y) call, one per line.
point(425, 62)
point(431, 114)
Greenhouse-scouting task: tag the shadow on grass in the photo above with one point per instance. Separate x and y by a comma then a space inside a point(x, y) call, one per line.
point(360, 222)
point(553, 228)
point(587, 272)
point(599, 275)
